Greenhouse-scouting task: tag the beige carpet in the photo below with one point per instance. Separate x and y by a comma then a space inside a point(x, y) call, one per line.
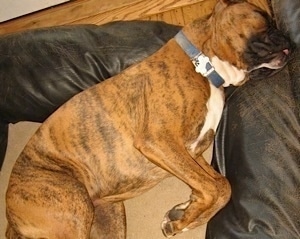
point(144, 213)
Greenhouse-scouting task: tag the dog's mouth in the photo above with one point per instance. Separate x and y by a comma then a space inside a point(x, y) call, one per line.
point(278, 60)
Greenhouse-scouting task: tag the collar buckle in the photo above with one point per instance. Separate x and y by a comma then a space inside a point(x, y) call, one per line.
point(203, 65)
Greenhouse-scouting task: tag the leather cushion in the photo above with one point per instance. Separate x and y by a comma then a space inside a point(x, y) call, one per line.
point(257, 147)
point(41, 69)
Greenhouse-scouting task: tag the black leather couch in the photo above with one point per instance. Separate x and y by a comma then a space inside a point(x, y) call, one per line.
point(257, 144)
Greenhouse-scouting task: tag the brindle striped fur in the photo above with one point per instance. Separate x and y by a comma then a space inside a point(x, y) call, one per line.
point(120, 138)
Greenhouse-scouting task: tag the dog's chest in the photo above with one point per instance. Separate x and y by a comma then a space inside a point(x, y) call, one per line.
point(215, 105)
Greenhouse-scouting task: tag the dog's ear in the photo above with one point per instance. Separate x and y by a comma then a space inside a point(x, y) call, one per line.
point(221, 4)
point(229, 2)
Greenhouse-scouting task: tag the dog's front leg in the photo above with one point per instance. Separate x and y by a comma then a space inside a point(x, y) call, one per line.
point(170, 154)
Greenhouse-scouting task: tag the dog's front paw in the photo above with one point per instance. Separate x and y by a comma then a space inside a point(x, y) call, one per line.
point(167, 229)
point(170, 223)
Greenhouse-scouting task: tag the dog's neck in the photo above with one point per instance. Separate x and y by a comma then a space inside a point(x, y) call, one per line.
point(199, 33)
point(201, 62)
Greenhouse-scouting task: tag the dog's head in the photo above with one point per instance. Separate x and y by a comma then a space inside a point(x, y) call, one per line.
point(247, 38)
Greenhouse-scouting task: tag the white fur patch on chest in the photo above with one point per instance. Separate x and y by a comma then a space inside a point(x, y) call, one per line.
point(215, 105)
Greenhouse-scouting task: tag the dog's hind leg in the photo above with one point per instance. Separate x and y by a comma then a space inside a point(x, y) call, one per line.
point(109, 221)
point(47, 204)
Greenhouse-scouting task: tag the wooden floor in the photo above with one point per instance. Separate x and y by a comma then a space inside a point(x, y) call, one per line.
point(103, 11)
point(98, 12)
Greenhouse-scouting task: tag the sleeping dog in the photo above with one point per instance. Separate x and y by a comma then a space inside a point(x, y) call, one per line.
point(121, 137)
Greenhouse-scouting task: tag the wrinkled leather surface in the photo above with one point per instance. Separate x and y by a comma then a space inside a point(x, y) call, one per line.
point(41, 69)
point(287, 14)
point(257, 147)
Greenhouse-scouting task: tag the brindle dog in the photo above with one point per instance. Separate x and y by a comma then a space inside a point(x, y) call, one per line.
point(120, 138)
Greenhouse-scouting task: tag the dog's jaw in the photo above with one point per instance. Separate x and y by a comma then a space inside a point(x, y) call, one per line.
point(230, 74)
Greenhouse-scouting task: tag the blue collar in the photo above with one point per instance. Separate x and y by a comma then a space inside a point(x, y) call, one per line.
point(201, 62)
